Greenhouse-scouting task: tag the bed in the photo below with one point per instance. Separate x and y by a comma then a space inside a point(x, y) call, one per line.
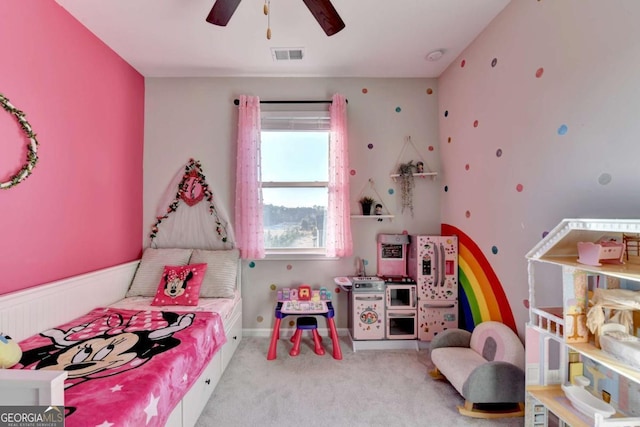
point(163, 360)
point(618, 342)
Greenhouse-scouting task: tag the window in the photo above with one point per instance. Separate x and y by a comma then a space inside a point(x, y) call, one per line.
point(295, 179)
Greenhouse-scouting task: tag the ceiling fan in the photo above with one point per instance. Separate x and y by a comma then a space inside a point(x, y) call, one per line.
point(322, 10)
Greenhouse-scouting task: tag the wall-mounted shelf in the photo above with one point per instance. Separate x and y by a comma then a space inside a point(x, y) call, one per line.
point(426, 169)
point(380, 217)
point(431, 175)
point(372, 187)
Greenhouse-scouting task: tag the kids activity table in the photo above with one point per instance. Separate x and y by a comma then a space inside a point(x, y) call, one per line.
point(304, 308)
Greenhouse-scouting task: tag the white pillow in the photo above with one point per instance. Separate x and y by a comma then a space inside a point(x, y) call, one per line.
point(222, 272)
point(145, 282)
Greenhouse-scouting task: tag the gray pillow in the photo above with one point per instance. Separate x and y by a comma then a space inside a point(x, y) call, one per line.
point(222, 272)
point(147, 278)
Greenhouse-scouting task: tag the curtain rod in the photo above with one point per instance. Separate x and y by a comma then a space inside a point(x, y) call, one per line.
point(237, 102)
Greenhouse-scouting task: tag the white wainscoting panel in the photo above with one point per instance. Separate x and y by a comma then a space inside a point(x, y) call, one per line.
point(33, 310)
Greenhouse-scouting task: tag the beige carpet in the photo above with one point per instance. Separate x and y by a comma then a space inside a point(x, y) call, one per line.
point(365, 388)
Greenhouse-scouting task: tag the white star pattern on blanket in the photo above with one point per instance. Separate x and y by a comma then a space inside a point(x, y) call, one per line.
point(152, 407)
point(105, 424)
point(115, 388)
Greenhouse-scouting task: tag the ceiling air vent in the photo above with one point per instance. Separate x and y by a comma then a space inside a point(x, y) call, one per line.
point(287, 54)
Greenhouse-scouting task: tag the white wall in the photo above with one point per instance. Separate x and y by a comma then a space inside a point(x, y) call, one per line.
point(590, 54)
point(191, 117)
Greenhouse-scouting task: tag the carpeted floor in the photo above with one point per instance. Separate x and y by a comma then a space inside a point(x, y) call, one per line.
point(365, 388)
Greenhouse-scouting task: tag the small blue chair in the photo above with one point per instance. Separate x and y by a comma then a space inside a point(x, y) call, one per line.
point(302, 324)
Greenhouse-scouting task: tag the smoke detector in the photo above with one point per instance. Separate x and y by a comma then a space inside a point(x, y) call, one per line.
point(287, 54)
point(435, 55)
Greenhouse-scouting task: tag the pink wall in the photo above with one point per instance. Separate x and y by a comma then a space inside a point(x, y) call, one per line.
point(81, 209)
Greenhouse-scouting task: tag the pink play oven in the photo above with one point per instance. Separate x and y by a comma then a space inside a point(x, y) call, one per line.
point(392, 255)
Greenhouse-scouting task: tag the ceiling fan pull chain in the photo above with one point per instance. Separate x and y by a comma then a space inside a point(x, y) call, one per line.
point(267, 11)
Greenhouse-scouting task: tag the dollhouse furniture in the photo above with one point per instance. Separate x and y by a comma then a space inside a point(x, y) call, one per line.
point(304, 308)
point(576, 323)
point(602, 252)
point(632, 244)
point(485, 366)
point(306, 323)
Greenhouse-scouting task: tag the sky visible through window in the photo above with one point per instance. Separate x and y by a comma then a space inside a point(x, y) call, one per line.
point(295, 156)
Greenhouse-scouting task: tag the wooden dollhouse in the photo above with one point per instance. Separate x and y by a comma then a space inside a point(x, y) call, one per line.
point(561, 347)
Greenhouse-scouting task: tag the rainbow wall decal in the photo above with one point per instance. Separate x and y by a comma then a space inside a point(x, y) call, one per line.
point(481, 295)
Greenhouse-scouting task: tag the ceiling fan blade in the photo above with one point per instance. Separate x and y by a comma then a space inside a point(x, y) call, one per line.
point(222, 11)
point(326, 15)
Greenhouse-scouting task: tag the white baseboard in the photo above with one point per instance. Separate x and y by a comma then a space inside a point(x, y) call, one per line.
point(288, 332)
point(356, 345)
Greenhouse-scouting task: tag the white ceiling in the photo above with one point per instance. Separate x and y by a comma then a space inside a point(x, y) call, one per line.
point(382, 38)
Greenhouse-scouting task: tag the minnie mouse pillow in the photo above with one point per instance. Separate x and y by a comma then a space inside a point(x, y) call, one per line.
point(180, 285)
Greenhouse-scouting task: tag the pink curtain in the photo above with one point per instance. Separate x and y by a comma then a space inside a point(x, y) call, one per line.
point(248, 209)
point(339, 241)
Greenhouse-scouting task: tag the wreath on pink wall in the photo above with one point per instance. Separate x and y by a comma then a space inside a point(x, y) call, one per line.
point(32, 147)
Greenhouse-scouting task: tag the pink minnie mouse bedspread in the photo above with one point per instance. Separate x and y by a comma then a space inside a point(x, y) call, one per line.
point(126, 367)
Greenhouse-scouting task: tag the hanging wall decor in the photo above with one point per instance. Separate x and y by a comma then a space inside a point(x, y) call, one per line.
point(192, 190)
point(405, 172)
point(32, 148)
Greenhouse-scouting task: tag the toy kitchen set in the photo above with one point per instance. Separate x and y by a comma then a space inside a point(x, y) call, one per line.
point(413, 297)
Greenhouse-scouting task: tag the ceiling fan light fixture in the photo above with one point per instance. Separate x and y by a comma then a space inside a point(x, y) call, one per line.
point(435, 55)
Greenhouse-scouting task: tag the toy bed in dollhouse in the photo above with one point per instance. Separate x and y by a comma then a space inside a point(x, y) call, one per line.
point(142, 343)
point(610, 319)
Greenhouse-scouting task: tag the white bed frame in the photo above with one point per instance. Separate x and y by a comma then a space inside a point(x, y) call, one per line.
point(27, 312)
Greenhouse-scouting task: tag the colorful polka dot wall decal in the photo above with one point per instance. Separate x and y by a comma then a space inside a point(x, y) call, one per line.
point(475, 124)
point(370, 146)
point(499, 152)
point(429, 91)
point(544, 234)
point(273, 287)
point(604, 178)
point(463, 63)
point(289, 266)
point(405, 232)
point(539, 72)
point(446, 113)
point(494, 62)
point(352, 172)
point(336, 291)
point(519, 188)
point(260, 319)
point(562, 130)
point(449, 140)
point(467, 214)
point(365, 90)
point(252, 264)
point(398, 109)
point(292, 323)
point(446, 188)
point(494, 250)
point(525, 302)
point(466, 167)
point(391, 191)
point(431, 148)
